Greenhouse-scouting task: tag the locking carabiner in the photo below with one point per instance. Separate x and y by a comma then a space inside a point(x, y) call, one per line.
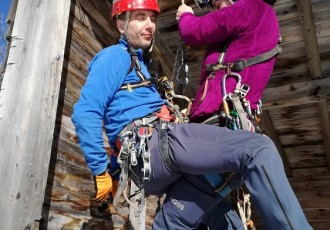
point(238, 84)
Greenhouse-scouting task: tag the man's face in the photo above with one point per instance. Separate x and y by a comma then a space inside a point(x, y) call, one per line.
point(141, 28)
point(219, 4)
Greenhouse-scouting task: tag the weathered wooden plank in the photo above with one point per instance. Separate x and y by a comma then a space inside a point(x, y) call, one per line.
point(320, 203)
point(311, 174)
point(322, 214)
point(286, 10)
point(301, 138)
point(268, 126)
point(306, 156)
point(319, 224)
point(312, 194)
point(85, 38)
point(325, 127)
point(297, 93)
point(309, 32)
point(320, 183)
point(100, 23)
point(28, 100)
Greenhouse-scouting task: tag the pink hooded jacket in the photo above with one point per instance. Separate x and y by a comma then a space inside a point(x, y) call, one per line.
point(250, 28)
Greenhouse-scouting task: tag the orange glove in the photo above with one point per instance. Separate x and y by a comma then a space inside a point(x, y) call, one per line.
point(103, 186)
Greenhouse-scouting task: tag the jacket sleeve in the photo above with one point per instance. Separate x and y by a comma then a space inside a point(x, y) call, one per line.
point(214, 27)
point(107, 72)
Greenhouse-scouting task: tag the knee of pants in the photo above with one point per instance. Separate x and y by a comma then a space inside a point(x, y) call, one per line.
point(264, 150)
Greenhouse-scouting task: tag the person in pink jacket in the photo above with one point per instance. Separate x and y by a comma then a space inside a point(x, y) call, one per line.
point(247, 33)
point(245, 30)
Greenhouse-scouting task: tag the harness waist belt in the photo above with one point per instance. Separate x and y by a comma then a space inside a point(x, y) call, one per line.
point(148, 120)
point(241, 64)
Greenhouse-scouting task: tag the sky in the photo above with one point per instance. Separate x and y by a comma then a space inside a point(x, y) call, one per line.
point(4, 8)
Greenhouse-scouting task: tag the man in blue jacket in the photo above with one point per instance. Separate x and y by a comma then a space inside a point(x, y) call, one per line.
point(119, 94)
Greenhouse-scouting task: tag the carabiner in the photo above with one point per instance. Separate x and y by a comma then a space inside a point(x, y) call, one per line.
point(238, 84)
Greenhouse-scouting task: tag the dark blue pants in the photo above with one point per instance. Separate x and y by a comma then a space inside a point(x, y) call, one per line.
point(191, 201)
point(198, 149)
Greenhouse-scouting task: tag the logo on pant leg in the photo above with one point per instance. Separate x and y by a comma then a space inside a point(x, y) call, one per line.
point(177, 203)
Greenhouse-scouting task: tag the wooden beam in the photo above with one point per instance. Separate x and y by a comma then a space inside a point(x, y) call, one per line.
point(306, 15)
point(325, 127)
point(107, 24)
point(296, 93)
point(28, 105)
point(268, 127)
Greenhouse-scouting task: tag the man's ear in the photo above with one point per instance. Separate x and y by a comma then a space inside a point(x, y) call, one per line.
point(120, 26)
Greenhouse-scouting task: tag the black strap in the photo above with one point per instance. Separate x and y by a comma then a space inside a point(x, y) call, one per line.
point(241, 64)
point(163, 146)
point(135, 63)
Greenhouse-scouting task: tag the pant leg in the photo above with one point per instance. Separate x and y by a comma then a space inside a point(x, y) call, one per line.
point(223, 216)
point(201, 149)
point(186, 204)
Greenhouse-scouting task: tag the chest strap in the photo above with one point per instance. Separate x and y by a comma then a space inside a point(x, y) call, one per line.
point(135, 63)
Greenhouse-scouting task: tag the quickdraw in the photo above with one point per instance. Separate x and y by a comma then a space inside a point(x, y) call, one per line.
point(244, 210)
point(238, 113)
point(182, 70)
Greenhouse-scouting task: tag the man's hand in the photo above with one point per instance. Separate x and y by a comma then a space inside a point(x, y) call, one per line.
point(183, 9)
point(103, 185)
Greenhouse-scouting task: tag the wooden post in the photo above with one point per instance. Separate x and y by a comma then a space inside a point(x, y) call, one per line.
point(28, 104)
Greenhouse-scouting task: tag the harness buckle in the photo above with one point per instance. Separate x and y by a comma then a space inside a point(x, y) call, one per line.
point(239, 65)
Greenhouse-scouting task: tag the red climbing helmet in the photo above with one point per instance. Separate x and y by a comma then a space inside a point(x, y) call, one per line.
point(120, 6)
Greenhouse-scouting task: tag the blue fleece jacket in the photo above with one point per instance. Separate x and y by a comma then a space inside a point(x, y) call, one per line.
point(101, 101)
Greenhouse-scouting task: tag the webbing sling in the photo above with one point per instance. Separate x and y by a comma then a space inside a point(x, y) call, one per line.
point(219, 183)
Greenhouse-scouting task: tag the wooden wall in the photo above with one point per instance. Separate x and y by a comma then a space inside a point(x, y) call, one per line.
point(69, 187)
point(67, 201)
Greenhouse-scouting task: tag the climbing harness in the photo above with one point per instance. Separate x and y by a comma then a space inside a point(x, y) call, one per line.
point(134, 154)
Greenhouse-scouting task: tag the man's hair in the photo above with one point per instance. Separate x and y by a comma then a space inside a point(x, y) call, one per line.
point(271, 2)
point(122, 16)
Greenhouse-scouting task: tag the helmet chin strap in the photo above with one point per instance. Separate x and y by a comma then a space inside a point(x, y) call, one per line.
point(124, 36)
